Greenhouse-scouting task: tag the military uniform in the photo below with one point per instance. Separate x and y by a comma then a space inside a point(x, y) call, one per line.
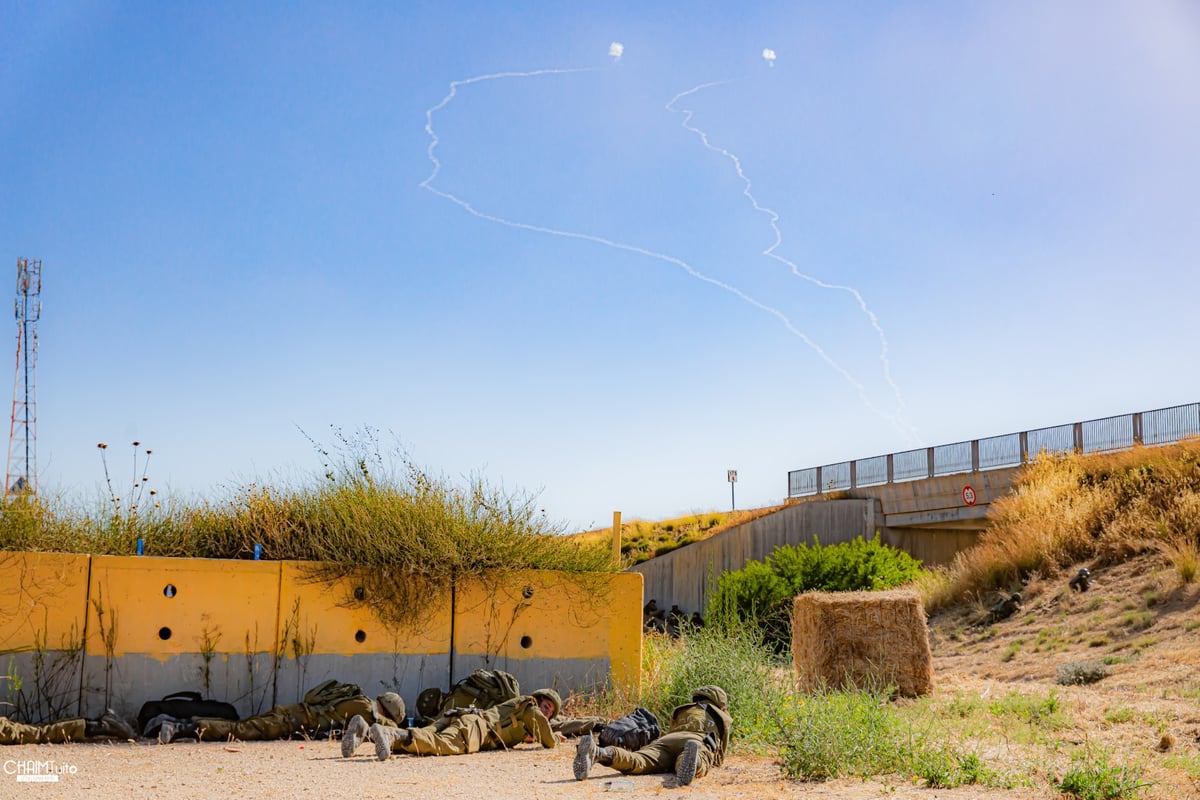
point(66, 731)
point(1005, 608)
point(704, 723)
point(325, 707)
point(283, 721)
point(69, 730)
point(577, 726)
point(498, 728)
point(696, 742)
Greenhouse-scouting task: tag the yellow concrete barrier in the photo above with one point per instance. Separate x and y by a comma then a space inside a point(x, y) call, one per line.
point(43, 597)
point(262, 632)
point(170, 606)
point(320, 618)
point(524, 621)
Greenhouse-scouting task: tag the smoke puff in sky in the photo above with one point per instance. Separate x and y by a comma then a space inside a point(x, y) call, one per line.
point(769, 56)
point(616, 49)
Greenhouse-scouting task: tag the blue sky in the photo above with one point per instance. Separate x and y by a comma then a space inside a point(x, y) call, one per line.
point(607, 280)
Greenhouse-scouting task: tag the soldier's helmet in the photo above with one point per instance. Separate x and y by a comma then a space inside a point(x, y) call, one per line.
point(552, 696)
point(429, 702)
point(713, 695)
point(392, 705)
point(1084, 572)
point(1016, 597)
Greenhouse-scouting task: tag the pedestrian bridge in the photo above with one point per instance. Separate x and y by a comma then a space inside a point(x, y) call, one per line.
point(950, 487)
point(930, 502)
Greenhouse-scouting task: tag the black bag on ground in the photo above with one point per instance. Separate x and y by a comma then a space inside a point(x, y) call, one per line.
point(632, 731)
point(183, 705)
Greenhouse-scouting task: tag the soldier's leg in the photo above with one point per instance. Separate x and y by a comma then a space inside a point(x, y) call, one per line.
point(463, 735)
point(71, 730)
point(277, 723)
point(658, 756)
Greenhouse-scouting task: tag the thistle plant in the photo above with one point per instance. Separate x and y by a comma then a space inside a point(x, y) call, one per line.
point(137, 490)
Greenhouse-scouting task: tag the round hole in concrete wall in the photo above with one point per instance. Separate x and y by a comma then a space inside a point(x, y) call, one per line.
point(527, 592)
point(360, 636)
point(527, 642)
point(164, 633)
point(169, 590)
point(360, 593)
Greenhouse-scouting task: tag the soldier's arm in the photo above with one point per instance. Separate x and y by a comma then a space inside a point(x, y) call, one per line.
point(537, 725)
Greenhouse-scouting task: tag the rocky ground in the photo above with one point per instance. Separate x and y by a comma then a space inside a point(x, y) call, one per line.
point(1138, 616)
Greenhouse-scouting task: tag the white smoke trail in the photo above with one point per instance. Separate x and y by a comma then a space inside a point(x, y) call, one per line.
point(427, 184)
point(773, 219)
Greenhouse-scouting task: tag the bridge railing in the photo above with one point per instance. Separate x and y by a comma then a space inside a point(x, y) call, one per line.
point(1122, 432)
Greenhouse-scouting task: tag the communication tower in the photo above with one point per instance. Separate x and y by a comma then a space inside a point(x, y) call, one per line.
point(22, 438)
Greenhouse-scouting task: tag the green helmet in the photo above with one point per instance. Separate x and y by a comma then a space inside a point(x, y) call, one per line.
point(429, 702)
point(392, 704)
point(552, 696)
point(713, 695)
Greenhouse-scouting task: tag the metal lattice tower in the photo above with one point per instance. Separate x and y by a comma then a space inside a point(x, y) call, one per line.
point(22, 438)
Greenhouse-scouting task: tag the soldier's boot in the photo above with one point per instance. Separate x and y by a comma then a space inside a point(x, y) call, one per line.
point(586, 754)
point(356, 731)
point(685, 766)
point(154, 723)
point(109, 724)
point(383, 737)
point(178, 729)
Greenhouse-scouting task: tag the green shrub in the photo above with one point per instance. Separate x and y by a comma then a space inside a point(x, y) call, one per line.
point(1078, 673)
point(760, 593)
point(734, 659)
point(859, 733)
point(1100, 781)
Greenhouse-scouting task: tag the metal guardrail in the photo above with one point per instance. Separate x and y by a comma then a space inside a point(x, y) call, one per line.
point(1123, 432)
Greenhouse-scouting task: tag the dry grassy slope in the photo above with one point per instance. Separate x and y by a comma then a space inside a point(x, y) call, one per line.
point(1137, 614)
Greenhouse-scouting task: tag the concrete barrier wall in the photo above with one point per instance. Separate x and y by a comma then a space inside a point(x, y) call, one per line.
point(551, 629)
point(43, 609)
point(80, 633)
point(329, 630)
point(682, 577)
point(179, 623)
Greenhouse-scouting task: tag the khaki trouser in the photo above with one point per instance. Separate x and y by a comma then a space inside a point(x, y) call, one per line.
point(284, 721)
point(577, 726)
point(449, 736)
point(70, 730)
point(660, 755)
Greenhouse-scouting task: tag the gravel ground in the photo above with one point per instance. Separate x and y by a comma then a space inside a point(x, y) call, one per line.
point(214, 771)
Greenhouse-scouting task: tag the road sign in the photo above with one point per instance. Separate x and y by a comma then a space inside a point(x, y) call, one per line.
point(732, 475)
point(969, 495)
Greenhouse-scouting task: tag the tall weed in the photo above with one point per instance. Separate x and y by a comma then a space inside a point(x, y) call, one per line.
point(1065, 509)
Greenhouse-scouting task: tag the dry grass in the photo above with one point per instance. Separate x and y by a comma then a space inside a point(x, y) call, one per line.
point(370, 514)
point(858, 639)
point(642, 540)
point(1096, 509)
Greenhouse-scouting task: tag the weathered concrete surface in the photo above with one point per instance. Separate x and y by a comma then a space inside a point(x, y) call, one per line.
point(80, 633)
point(684, 577)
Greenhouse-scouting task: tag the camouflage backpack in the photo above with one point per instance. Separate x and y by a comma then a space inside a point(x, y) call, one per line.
point(330, 693)
point(483, 688)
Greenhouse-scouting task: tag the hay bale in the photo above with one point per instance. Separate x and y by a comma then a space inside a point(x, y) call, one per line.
point(862, 639)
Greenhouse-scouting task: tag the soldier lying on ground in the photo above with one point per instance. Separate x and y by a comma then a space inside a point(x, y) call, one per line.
point(1005, 608)
point(109, 725)
point(696, 742)
point(1081, 581)
point(325, 707)
point(459, 731)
